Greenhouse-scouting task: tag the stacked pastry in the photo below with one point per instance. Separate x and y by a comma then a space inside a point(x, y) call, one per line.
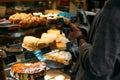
point(52, 38)
point(27, 20)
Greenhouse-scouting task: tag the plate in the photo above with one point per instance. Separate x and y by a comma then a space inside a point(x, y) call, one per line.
point(11, 74)
point(9, 25)
point(5, 22)
point(54, 64)
point(13, 78)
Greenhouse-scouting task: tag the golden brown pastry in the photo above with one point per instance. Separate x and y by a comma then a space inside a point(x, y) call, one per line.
point(59, 56)
point(55, 31)
point(28, 71)
point(56, 75)
point(27, 20)
point(53, 39)
point(42, 43)
point(30, 42)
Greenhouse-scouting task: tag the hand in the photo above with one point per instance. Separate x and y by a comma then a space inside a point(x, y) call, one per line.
point(81, 42)
point(74, 26)
point(75, 33)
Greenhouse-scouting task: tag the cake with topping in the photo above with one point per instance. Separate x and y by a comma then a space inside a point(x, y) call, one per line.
point(59, 56)
point(28, 71)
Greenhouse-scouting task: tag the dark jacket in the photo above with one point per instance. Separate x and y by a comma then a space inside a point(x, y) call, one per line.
point(102, 60)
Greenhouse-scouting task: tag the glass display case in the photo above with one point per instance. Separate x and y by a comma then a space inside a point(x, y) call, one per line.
point(11, 43)
point(11, 40)
point(16, 53)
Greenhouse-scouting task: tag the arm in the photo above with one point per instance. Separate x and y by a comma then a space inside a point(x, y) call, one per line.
point(75, 32)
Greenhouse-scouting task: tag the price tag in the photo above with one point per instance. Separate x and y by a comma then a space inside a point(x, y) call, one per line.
point(73, 19)
point(60, 21)
point(39, 55)
point(45, 50)
point(69, 45)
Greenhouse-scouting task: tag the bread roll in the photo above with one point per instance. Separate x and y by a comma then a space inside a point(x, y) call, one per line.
point(51, 36)
point(55, 31)
point(30, 42)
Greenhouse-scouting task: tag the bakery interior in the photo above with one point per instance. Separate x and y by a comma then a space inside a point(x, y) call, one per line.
point(34, 40)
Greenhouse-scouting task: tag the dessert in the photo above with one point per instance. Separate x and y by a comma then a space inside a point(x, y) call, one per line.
point(42, 43)
point(54, 31)
point(14, 48)
point(30, 42)
point(52, 38)
point(59, 56)
point(56, 75)
point(27, 20)
point(28, 71)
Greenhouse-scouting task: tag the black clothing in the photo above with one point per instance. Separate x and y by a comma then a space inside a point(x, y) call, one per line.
point(102, 61)
point(90, 5)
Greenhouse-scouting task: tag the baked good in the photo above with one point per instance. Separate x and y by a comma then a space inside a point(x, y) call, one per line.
point(59, 56)
point(54, 31)
point(51, 18)
point(30, 43)
point(27, 20)
point(47, 39)
point(56, 75)
point(42, 43)
point(37, 14)
point(28, 71)
point(52, 38)
point(61, 41)
point(53, 11)
point(11, 49)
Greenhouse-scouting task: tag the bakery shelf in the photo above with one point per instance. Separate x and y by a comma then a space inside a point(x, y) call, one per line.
point(15, 0)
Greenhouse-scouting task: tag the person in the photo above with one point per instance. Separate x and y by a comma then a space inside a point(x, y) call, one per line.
point(100, 58)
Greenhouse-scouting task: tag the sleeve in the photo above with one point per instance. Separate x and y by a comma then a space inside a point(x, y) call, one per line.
point(77, 71)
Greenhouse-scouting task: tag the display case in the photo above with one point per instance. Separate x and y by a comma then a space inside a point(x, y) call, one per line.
point(16, 55)
point(11, 40)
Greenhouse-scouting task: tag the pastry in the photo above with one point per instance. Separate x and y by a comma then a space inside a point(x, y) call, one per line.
point(56, 75)
point(28, 71)
point(59, 56)
point(30, 42)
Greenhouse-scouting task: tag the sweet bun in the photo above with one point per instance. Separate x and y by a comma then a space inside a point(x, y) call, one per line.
point(30, 42)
